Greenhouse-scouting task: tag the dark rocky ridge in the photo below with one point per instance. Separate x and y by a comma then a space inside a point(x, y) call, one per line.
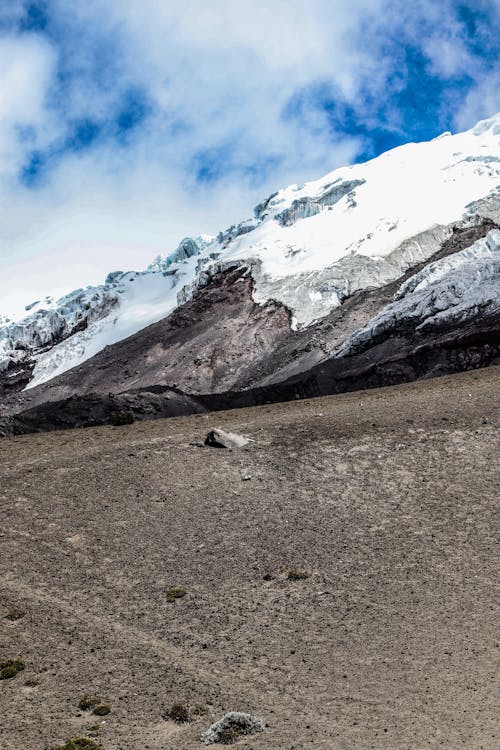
point(221, 349)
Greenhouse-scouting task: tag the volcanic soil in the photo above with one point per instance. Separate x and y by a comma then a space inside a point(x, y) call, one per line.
point(339, 574)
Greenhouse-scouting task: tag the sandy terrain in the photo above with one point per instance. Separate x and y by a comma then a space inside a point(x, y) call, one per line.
point(386, 498)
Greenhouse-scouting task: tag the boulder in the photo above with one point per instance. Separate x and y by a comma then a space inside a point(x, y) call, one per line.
point(220, 439)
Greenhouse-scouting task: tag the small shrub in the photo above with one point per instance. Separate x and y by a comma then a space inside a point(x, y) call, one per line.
point(17, 663)
point(7, 673)
point(14, 614)
point(122, 417)
point(103, 710)
point(10, 667)
point(89, 701)
point(179, 713)
point(231, 727)
point(80, 743)
point(175, 592)
point(297, 575)
point(228, 736)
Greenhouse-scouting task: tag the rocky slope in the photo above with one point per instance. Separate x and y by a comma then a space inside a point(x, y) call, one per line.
point(387, 500)
point(378, 273)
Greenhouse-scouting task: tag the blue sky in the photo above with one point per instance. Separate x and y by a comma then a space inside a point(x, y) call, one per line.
point(125, 126)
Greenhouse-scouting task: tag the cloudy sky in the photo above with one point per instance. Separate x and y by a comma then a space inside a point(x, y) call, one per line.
point(125, 126)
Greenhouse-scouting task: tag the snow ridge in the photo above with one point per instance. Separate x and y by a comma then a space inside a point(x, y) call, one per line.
point(445, 293)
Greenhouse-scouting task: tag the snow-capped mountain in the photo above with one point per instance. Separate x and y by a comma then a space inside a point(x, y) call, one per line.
point(452, 290)
point(309, 248)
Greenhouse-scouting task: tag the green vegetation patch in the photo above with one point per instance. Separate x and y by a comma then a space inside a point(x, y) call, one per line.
point(10, 667)
point(102, 710)
point(179, 713)
point(175, 592)
point(297, 575)
point(89, 701)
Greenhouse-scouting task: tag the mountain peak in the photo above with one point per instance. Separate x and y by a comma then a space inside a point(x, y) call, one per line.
point(308, 247)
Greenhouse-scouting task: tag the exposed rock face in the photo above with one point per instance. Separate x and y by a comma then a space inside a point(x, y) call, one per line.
point(211, 343)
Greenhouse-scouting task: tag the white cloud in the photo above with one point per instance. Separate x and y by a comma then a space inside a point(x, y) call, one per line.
point(218, 76)
point(481, 101)
point(27, 64)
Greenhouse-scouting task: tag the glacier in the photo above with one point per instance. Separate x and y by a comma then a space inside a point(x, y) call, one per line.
point(446, 293)
point(308, 247)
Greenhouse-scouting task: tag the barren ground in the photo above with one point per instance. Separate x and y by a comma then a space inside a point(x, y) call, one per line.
point(386, 498)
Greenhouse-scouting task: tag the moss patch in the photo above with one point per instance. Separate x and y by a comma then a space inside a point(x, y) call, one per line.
point(175, 592)
point(102, 710)
point(297, 575)
point(89, 701)
point(7, 673)
point(10, 667)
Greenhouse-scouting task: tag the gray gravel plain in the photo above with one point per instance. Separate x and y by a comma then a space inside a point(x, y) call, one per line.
point(387, 499)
